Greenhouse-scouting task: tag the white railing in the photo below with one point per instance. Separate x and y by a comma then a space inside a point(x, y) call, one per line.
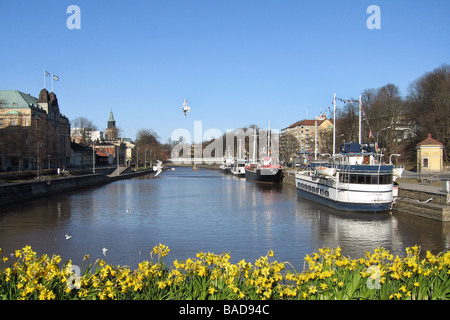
point(181, 160)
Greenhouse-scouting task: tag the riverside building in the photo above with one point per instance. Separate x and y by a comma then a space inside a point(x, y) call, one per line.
point(34, 134)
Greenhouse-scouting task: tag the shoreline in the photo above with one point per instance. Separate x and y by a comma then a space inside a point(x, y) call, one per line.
point(11, 193)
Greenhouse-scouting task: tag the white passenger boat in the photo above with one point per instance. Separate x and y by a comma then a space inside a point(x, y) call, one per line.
point(238, 168)
point(227, 162)
point(353, 180)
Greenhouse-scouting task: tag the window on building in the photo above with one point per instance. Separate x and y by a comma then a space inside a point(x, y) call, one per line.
point(425, 163)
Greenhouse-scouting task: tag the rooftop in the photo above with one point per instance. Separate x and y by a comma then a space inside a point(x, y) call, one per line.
point(16, 99)
point(430, 142)
point(308, 122)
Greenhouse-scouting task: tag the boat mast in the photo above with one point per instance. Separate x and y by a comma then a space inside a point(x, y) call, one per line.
point(315, 140)
point(360, 106)
point(334, 124)
point(254, 146)
point(268, 141)
point(240, 149)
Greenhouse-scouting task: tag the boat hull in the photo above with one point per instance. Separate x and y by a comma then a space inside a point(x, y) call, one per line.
point(275, 176)
point(226, 170)
point(346, 197)
point(238, 171)
point(344, 206)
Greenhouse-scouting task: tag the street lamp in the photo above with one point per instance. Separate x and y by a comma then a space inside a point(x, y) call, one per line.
point(39, 165)
point(145, 162)
point(93, 156)
point(380, 131)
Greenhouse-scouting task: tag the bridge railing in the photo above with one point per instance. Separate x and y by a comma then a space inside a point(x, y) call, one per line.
point(210, 160)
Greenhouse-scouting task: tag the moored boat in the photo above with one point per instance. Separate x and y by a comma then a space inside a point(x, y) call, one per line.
point(227, 162)
point(266, 171)
point(350, 181)
point(238, 168)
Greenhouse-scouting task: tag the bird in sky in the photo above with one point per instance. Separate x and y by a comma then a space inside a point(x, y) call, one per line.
point(68, 236)
point(104, 251)
point(186, 108)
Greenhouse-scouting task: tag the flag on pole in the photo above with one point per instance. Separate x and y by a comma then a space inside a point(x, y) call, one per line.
point(46, 74)
point(56, 78)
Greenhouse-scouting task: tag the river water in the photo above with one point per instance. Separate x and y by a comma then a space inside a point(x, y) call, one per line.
point(192, 211)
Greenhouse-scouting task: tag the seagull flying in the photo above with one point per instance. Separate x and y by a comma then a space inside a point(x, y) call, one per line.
point(128, 211)
point(104, 251)
point(68, 236)
point(186, 108)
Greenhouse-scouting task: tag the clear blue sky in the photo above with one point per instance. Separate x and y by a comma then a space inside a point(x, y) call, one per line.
point(238, 62)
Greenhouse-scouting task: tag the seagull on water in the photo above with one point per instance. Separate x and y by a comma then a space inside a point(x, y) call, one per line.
point(68, 236)
point(185, 107)
point(104, 251)
point(128, 211)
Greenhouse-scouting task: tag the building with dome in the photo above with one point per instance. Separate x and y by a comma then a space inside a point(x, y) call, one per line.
point(34, 134)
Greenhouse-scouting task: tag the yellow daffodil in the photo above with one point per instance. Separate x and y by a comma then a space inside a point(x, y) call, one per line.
point(212, 290)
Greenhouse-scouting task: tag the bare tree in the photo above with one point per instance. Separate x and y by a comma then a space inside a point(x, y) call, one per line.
point(81, 128)
point(148, 148)
point(291, 147)
point(347, 120)
point(428, 104)
point(383, 108)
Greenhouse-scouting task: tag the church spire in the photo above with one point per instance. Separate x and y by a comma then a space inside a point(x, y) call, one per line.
point(111, 121)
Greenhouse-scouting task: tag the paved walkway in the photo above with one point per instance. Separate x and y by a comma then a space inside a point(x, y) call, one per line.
point(424, 186)
point(420, 187)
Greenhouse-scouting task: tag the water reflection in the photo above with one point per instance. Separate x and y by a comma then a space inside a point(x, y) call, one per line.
point(192, 211)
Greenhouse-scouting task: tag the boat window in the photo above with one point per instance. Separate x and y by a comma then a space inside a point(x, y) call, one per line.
point(386, 179)
point(321, 191)
point(370, 179)
point(327, 194)
point(343, 178)
point(360, 179)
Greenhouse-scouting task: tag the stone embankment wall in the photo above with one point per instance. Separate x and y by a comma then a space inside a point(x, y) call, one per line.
point(18, 192)
point(426, 210)
point(432, 205)
point(289, 177)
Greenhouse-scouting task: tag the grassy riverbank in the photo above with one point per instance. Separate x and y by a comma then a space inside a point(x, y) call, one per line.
point(378, 275)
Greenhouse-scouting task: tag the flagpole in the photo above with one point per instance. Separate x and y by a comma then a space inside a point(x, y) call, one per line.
point(52, 81)
point(44, 79)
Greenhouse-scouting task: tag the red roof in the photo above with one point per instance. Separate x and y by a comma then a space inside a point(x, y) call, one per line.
point(307, 123)
point(430, 141)
point(101, 153)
